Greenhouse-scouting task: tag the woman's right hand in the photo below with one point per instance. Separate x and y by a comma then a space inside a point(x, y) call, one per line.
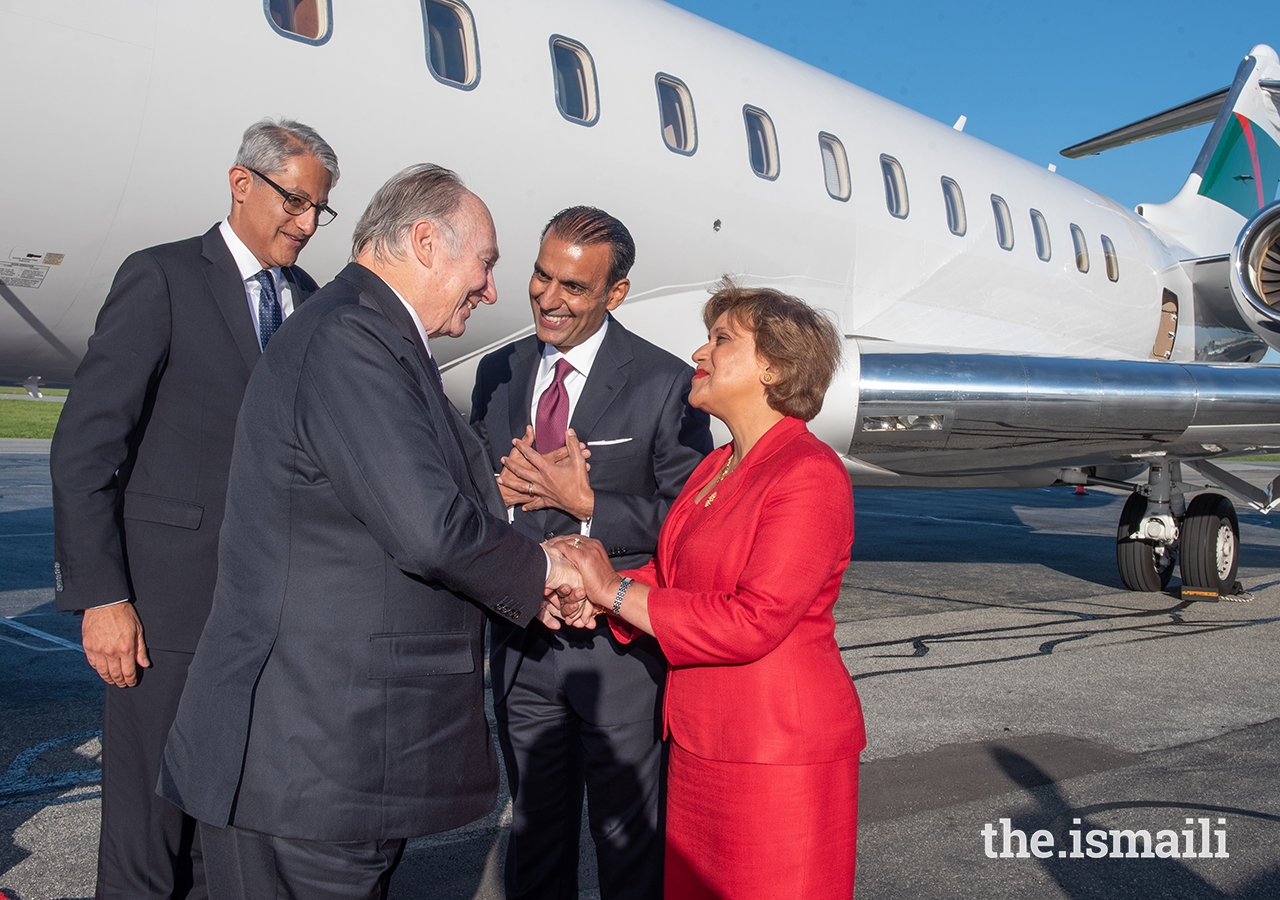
point(591, 560)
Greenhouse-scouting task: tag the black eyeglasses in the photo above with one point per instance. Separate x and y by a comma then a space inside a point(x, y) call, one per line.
point(296, 206)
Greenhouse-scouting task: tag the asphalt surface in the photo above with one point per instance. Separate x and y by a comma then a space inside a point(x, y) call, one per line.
point(1004, 671)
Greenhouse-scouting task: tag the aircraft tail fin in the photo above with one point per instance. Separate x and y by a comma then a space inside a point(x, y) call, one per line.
point(1238, 170)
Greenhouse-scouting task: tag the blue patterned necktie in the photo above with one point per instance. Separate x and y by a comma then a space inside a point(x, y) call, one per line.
point(435, 370)
point(269, 313)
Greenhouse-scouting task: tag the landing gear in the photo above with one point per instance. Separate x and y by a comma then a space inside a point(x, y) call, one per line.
point(1157, 525)
point(1210, 545)
point(1147, 537)
point(1144, 564)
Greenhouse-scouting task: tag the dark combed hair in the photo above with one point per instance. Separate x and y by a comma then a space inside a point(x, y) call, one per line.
point(583, 226)
point(800, 343)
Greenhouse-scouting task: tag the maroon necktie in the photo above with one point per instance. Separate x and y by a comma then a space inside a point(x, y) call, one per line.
point(553, 412)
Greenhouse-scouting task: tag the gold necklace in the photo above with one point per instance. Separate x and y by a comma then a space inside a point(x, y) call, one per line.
point(719, 478)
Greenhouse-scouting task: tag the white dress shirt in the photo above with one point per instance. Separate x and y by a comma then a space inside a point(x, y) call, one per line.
point(582, 358)
point(249, 267)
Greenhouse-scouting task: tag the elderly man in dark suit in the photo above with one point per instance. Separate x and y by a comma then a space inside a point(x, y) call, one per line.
point(334, 707)
point(139, 464)
point(577, 706)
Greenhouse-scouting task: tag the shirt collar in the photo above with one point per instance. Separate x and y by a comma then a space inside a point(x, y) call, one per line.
point(417, 323)
point(581, 357)
point(246, 262)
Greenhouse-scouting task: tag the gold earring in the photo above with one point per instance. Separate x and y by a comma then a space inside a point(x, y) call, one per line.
point(767, 378)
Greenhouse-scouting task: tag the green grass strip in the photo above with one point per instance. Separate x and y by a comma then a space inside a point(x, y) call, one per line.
point(48, 392)
point(28, 420)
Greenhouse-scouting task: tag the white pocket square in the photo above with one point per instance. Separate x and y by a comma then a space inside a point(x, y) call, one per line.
point(607, 443)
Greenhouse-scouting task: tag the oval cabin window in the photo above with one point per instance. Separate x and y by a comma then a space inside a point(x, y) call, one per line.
point(675, 107)
point(575, 75)
point(895, 187)
point(1004, 222)
point(762, 142)
point(1040, 228)
point(1112, 261)
point(1081, 248)
point(308, 21)
point(452, 52)
point(835, 166)
point(954, 201)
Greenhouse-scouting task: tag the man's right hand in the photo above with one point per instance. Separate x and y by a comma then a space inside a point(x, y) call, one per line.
point(566, 601)
point(113, 643)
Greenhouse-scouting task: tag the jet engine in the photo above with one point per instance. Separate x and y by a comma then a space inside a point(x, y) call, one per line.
point(1255, 274)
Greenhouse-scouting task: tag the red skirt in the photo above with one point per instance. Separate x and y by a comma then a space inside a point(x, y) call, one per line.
point(742, 831)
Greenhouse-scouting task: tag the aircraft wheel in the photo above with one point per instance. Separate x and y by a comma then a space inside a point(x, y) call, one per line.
point(1143, 565)
point(1210, 544)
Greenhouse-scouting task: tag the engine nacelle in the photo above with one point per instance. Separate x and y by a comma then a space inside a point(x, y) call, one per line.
point(1255, 274)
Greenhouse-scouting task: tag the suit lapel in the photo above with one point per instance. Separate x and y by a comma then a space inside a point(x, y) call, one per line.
point(227, 287)
point(524, 372)
point(608, 376)
point(772, 441)
point(300, 293)
point(379, 296)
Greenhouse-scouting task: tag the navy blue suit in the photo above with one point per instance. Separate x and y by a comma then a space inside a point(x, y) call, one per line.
point(139, 465)
point(576, 705)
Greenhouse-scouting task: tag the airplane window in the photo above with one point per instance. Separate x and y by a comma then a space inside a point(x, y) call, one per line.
point(308, 21)
point(452, 52)
point(1040, 228)
point(1082, 248)
point(835, 166)
point(1113, 262)
point(575, 81)
point(1004, 222)
point(954, 200)
point(762, 142)
point(895, 186)
point(675, 106)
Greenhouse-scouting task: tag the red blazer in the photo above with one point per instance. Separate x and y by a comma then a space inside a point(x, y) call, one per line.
point(741, 605)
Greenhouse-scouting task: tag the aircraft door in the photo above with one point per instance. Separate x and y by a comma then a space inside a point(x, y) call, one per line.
point(1167, 333)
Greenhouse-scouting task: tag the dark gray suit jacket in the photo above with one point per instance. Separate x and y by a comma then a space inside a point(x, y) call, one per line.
point(337, 691)
point(143, 447)
point(636, 400)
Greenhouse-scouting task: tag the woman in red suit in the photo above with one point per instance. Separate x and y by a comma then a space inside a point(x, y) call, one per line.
point(763, 719)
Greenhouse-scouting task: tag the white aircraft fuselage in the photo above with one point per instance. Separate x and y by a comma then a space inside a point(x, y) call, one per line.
point(136, 109)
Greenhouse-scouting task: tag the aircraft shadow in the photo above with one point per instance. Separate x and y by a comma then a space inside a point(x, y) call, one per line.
point(1109, 878)
point(1069, 533)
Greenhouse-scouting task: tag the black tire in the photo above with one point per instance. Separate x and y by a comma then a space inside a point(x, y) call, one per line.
point(1210, 544)
point(1142, 568)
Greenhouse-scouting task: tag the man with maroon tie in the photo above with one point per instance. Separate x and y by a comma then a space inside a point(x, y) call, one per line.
point(576, 707)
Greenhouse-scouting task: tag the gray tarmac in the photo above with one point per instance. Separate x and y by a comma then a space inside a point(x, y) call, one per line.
point(1005, 674)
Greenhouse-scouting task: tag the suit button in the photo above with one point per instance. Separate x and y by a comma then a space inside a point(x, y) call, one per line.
point(549, 535)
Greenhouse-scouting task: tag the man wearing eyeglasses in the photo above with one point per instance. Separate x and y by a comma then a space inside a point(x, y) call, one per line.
point(140, 461)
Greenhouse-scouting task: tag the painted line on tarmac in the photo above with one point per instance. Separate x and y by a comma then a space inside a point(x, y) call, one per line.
point(62, 643)
point(885, 515)
point(17, 784)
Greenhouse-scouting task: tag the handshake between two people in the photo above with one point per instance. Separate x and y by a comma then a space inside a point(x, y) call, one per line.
point(581, 584)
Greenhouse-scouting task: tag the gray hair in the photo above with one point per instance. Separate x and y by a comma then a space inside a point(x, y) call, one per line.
point(268, 144)
point(424, 191)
